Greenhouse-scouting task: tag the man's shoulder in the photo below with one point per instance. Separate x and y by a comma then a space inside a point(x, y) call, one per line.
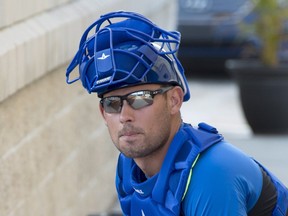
point(222, 179)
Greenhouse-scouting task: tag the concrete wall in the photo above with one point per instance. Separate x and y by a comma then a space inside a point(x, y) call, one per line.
point(56, 157)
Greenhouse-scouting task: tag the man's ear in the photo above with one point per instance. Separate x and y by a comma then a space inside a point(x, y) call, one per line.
point(176, 99)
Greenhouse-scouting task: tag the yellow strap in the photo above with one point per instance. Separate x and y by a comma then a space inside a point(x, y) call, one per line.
point(189, 177)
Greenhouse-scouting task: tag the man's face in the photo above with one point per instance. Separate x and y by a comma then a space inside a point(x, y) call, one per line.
point(142, 132)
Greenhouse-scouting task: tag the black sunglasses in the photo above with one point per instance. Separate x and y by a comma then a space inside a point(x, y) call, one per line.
point(137, 100)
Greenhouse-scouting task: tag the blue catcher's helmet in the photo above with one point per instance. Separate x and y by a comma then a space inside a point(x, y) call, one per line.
point(127, 52)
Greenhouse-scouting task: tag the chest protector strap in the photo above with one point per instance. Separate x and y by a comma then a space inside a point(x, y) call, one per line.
point(162, 193)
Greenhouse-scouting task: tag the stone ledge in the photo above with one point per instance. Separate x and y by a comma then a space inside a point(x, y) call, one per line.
point(24, 9)
point(35, 46)
point(55, 151)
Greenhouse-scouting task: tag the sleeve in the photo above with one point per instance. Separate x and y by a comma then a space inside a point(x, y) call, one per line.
point(225, 182)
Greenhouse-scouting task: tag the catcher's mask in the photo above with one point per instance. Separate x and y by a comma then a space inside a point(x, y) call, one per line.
point(127, 49)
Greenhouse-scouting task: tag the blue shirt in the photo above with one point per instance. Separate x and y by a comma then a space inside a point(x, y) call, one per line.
point(225, 181)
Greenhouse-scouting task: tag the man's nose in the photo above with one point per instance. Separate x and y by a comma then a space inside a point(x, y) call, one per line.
point(127, 113)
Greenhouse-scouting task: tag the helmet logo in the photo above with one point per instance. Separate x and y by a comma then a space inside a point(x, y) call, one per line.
point(106, 79)
point(103, 56)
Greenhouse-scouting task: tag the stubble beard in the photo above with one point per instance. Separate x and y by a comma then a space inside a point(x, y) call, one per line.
point(145, 144)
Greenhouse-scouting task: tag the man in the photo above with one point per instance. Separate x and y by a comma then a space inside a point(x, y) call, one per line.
point(166, 167)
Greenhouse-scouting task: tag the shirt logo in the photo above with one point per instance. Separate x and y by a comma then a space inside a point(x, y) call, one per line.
point(103, 56)
point(139, 191)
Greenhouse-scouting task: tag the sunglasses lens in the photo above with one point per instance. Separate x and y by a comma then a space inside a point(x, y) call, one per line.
point(112, 104)
point(136, 100)
point(140, 101)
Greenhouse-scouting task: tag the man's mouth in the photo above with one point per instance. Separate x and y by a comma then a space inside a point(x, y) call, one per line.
point(129, 131)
